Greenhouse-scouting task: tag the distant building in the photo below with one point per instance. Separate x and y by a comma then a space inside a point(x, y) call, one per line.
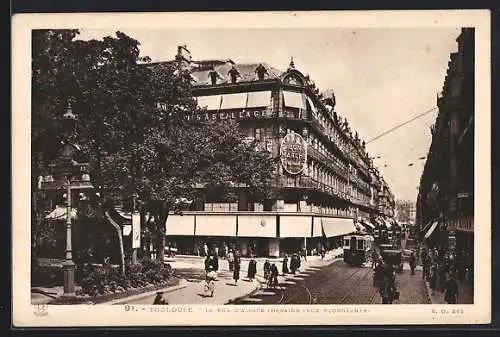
point(326, 182)
point(445, 205)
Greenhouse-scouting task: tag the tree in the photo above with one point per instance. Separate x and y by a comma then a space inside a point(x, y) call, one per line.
point(178, 154)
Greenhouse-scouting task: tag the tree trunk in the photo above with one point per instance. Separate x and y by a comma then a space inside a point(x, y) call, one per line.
point(120, 240)
point(160, 236)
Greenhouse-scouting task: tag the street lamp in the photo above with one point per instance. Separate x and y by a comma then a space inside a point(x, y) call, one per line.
point(69, 121)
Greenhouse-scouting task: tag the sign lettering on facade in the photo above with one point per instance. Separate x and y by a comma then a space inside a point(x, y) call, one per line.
point(293, 153)
point(242, 114)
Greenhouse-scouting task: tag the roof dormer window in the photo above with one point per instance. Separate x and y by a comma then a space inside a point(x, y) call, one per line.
point(233, 74)
point(214, 75)
point(261, 71)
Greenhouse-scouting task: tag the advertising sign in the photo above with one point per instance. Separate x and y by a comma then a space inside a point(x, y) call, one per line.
point(136, 230)
point(293, 153)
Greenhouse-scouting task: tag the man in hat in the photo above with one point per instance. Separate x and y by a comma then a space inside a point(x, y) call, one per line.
point(159, 300)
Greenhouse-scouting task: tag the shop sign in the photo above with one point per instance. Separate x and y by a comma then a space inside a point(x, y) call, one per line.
point(293, 153)
point(462, 225)
point(136, 230)
point(242, 114)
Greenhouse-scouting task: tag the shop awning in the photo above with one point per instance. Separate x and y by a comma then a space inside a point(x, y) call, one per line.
point(367, 224)
point(317, 227)
point(209, 102)
point(234, 101)
point(215, 225)
point(259, 226)
point(59, 213)
point(431, 230)
point(295, 226)
point(180, 225)
point(337, 226)
point(311, 104)
point(259, 99)
point(426, 227)
point(293, 99)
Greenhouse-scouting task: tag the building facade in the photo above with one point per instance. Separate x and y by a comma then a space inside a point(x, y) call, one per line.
point(326, 183)
point(445, 205)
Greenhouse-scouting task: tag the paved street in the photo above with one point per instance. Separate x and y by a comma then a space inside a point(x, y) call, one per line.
point(338, 283)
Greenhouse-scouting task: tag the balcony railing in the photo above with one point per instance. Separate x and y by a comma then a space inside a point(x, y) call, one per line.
point(305, 182)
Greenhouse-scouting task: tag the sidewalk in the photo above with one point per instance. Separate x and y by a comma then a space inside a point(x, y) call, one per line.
point(465, 294)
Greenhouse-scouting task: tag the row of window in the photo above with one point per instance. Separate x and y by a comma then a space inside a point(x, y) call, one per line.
point(287, 207)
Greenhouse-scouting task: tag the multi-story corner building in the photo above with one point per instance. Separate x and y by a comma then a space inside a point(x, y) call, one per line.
point(326, 183)
point(445, 206)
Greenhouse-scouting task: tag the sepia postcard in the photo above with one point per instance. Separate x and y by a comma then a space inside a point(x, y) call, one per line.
point(251, 168)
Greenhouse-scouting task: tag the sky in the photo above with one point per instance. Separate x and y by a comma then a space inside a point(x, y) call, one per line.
point(381, 77)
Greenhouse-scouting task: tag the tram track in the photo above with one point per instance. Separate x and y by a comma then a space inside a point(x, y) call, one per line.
point(306, 293)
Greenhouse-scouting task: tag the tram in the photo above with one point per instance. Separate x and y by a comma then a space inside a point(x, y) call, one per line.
point(357, 248)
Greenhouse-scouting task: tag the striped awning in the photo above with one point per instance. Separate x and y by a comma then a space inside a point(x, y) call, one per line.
point(431, 229)
point(367, 223)
point(59, 213)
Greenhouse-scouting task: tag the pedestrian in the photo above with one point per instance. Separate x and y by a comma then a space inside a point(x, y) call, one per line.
point(237, 266)
point(273, 282)
point(294, 263)
point(450, 289)
point(252, 269)
point(210, 278)
point(412, 263)
point(304, 253)
point(433, 279)
point(378, 273)
point(216, 251)
point(387, 289)
point(215, 262)
point(285, 265)
point(208, 264)
point(374, 257)
point(267, 269)
point(226, 251)
point(205, 249)
point(230, 260)
point(159, 299)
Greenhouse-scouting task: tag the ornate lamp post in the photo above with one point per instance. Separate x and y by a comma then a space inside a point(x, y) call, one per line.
point(68, 264)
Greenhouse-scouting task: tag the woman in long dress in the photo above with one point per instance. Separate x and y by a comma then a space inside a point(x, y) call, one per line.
point(237, 265)
point(252, 269)
point(285, 265)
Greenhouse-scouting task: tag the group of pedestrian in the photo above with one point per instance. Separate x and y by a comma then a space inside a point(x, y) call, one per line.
point(440, 270)
point(295, 262)
point(271, 274)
